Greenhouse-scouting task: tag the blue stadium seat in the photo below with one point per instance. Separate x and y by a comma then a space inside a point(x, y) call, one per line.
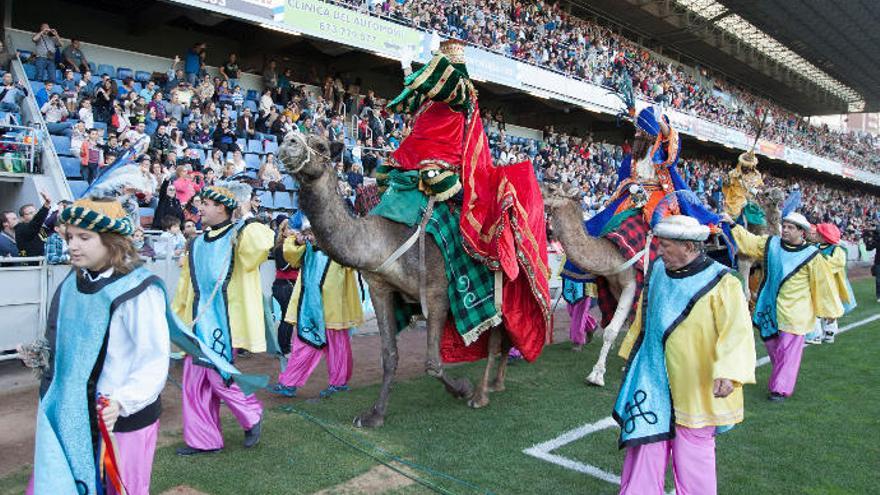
point(57, 89)
point(138, 87)
point(251, 105)
point(270, 146)
point(123, 72)
point(242, 144)
point(252, 95)
point(30, 71)
point(59, 76)
point(78, 187)
point(254, 146)
point(77, 76)
point(106, 69)
point(62, 145)
point(266, 199)
point(233, 116)
point(24, 54)
point(93, 68)
point(201, 154)
point(146, 212)
point(142, 76)
point(250, 174)
point(283, 200)
point(36, 86)
point(252, 161)
point(70, 165)
point(290, 183)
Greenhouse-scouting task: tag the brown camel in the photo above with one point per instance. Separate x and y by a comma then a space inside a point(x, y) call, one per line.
point(595, 255)
point(365, 243)
point(769, 201)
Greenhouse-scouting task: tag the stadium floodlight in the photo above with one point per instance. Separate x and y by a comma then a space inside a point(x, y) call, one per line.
point(749, 34)
point(280, 29)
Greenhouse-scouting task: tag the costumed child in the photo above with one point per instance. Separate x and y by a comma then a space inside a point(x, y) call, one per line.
point(220, 292)
point(325, 305)
point(579, 296)
point(108, 348)
point(827, 239)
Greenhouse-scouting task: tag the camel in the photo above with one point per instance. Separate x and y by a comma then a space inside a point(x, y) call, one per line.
point(595, 255)
point(365, 243)
point(769, 201)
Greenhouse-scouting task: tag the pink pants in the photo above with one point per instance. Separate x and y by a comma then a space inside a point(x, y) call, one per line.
point(693, 464)
point(785, 353)
point(203, 389)
point(305, 358)
point(582, 322)
point(135, 450)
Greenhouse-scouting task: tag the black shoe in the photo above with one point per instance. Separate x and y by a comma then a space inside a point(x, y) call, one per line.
point(187, 451)
point(774, 397)
point(252, 436)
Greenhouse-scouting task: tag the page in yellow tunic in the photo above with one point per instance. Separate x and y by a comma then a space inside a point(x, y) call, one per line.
point(340, 292)
point(184, 296)
point(749, 244)
point(823, 288)
point(837, 266)
point(245, 292)
point(715, 341)
point(633, 333)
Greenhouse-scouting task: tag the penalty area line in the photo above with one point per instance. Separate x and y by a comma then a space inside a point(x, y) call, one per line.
point(544, 450)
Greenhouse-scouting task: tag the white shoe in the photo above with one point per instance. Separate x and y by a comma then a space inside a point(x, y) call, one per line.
point(817, 340)
point(829, 338)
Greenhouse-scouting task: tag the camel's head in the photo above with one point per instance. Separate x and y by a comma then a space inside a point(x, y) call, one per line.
point(557, 195)
point(772, 197)
point(304, 157)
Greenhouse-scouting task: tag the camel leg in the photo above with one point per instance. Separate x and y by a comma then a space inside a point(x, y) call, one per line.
point(624, 303)
point(384, 306)
point(460, 388)
point(481, 396)
point(497, 384)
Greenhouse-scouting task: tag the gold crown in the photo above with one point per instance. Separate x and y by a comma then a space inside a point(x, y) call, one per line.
point(453, 50)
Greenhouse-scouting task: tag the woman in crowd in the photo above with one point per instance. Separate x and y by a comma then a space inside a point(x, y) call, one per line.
point(192, 211)
point(269, 176)
point(168, 205)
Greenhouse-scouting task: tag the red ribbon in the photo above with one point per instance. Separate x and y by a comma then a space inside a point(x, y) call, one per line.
point(108, 464)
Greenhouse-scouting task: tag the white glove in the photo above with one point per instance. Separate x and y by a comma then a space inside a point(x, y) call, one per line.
point(406, 58)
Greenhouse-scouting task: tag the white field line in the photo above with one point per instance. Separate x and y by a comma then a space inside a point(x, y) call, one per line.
point(544, 450)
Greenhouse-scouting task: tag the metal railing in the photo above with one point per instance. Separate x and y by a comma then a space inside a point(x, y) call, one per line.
point(18, 146)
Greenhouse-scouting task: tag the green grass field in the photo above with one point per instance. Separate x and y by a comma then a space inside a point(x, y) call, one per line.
point(823, 440)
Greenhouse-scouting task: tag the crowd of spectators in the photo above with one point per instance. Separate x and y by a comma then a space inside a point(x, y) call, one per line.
point(544, 34)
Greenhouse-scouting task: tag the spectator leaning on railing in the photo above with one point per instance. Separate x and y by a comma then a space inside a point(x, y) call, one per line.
point(11, 94)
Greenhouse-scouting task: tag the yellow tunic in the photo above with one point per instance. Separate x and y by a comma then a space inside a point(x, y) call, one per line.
point(808, 294)
point(837, 267)
point(340, 294)
point(714, 341)
point(244, 294)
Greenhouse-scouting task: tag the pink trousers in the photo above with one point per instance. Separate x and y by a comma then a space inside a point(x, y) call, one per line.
point(582, 322)
point(693, 464)
point(203, 389)
point(305, 358)
point(785, 353)
point(135, 450)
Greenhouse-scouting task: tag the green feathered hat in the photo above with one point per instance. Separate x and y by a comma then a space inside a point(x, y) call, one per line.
point(99, 216)
point(444, 79)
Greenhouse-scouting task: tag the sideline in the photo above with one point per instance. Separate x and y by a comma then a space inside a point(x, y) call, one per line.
point(544, 450)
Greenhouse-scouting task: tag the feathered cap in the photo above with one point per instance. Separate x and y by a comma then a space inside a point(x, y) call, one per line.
point(98, 216)
point(748, 159)
point(228, 193)
point(798, 220)
point(648, 120)
point(681, 228)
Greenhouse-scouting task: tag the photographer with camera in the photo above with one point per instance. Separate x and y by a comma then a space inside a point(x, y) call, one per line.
point(54, 111)
point(46, 44)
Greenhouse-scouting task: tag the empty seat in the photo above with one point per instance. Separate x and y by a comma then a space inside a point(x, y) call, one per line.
point(270, 146)
point(242, 144)
point(252, 161)
point(124, 72)
point(289, 182)
point(78, 187)
point(93, 68)
point(254, 146)
point(59, 76)
point(62, 145)
point(142, 76)
point(70, 165)
point(266, 199)
point(106, 69)
point(201, 154)
point(252, 95)
point(24, 54)
point(251, 105)
point(30, 71)
point(283, 200)
point(36, 86)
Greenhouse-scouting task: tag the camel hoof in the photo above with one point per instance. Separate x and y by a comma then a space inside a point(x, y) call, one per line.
point(497, 387)
point(369, 419)
point(478, 403)
point(595, 378)
point(433, 369)
point(464, 389)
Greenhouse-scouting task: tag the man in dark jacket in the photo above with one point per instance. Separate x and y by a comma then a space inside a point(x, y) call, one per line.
point(29, 234)
point(872, 241)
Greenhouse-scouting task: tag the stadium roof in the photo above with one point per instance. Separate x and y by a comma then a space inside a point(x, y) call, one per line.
point(812, 56)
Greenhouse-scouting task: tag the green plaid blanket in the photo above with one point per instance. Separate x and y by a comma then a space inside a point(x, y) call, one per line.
point(471, 284)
